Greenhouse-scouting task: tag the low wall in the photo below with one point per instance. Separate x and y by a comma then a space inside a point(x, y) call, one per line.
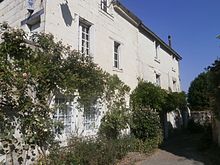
point(201, 117)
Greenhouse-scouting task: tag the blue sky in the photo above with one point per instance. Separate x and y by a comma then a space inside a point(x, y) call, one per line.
point(193, 25)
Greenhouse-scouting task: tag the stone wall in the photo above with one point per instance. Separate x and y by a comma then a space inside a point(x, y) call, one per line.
point(201, 117)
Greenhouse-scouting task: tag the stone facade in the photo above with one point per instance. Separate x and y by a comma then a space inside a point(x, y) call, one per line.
point(116, 39)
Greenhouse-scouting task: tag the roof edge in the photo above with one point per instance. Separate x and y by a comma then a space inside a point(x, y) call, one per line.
point(141, 26)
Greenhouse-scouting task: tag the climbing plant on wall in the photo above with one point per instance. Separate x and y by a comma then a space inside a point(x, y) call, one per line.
point(117, 117)
point(31, 73)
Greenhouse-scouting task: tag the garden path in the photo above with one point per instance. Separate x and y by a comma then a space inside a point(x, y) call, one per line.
point(181, 149)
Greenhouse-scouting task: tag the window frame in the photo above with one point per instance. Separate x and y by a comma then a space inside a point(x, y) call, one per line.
point(174, 85)
point(84, 38)
point(116, 55)
point(158, 79)
point(157, 49)
point(89, 118)
point(63, 114)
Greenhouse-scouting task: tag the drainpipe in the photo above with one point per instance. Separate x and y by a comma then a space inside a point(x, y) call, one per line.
point(45, 12)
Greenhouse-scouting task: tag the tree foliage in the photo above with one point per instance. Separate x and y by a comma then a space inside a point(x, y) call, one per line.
point(147, 95)
point(198, 94)
point(214, 87)
point(149, 103)
point(174, 101)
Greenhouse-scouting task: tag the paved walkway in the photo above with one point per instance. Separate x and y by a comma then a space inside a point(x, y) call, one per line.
point(163, 157)
point(181, 150)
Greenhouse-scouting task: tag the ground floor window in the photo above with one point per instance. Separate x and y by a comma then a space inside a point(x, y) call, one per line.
point(90, 118)
point(63, 114)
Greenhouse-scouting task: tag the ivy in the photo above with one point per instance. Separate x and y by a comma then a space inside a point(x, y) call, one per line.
point(117, 117)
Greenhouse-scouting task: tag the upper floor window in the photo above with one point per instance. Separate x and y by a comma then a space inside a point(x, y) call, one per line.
point(116, 54)
point(104, 5)
point(174, 86)
point(158, 80)
point(84, 31)
point(157, 47)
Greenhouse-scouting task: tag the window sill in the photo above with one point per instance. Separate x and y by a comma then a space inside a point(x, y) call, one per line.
point(157, 60)
point(110, 16)
point(117, 69)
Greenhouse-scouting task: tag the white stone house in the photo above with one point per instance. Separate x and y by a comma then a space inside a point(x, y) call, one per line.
point(106, 30)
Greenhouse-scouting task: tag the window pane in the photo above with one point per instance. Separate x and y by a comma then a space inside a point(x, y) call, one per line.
point(89, 118)
point(83, 35)
point(116, 54)
point(116, 57)
point(116, 64)
point(63, 114)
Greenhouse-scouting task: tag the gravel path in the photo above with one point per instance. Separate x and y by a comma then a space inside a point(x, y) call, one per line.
point(179, 150)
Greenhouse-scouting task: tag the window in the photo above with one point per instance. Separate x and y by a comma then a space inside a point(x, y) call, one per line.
point(84, 38)
point(157, 47)
point(157, 79)
point(174, 86)
point(116, 54)
point(89, 118)
point(63, 115)
point(104, 5)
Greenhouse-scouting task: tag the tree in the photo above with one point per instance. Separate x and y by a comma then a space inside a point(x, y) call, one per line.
point(214, 87)
point(198, 94)
point(31, 74)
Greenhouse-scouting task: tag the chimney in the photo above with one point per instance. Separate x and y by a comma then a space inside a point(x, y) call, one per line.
point(169, 40)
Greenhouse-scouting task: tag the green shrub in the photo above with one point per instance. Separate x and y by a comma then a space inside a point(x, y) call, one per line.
point(146, 125)
point(99, 151)
point(113, 123)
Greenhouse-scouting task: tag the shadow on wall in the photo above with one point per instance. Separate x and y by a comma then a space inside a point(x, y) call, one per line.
point(67, 16)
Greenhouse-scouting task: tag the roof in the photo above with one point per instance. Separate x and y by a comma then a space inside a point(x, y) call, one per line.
point(132, 18)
